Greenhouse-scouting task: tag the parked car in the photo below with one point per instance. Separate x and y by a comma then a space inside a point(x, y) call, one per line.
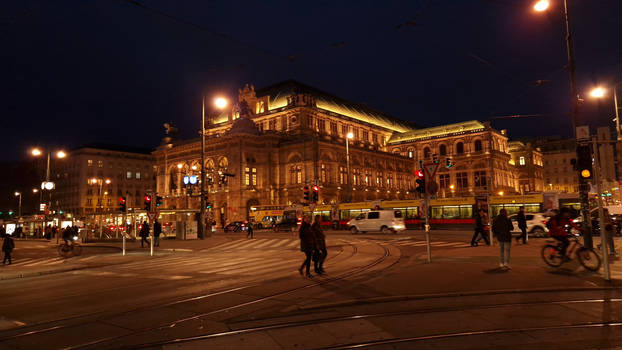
point(536, 224)
point(235, 226)
point(385, 221)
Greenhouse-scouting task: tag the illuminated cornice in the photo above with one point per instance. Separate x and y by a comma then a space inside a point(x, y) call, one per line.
point(456, 129)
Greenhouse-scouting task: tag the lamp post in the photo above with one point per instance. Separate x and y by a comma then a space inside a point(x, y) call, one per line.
point(19, 211)
point(47, 184)
point(600, 92)
point(220, 103)
point(349, 136)
point(541, 6)
point(100, 201)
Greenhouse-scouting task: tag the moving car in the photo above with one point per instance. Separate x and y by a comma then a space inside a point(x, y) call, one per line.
point(285, 225)
point(235, 226)
point(536, 224)
point(385, 221)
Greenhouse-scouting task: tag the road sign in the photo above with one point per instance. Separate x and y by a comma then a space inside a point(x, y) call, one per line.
point(583, 132)
point(432, 187)
point(151, 215)
point(430, 169)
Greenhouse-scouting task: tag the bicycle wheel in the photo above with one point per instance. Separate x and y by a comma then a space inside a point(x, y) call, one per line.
point(589, 259)
point(64, 250)
point(551, 256)
point(77, 249)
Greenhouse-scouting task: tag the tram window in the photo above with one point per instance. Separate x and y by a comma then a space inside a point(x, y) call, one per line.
point(466, 211)
point(398, 214)
point(437, 212)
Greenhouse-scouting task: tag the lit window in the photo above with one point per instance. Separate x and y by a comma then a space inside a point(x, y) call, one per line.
point(521, 160)
point(100, 164)
point(137, 175)
point(89, 162)
point(128, 175)
point(250, 176)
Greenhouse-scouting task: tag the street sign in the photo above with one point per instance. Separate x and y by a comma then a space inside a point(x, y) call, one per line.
point(151, 215)
point(583, 132)
point(430, 169)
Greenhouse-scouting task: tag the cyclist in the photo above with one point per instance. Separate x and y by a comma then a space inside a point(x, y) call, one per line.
point(67, 233)
point(557, 229)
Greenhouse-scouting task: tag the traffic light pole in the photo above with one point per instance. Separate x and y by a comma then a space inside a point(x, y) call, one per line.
point(604, 234)
point(201, 226)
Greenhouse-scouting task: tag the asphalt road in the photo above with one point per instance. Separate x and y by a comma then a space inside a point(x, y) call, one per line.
point(379, 292)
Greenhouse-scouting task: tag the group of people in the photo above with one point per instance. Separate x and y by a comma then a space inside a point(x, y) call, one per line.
point(144, 233)
point(313, 244)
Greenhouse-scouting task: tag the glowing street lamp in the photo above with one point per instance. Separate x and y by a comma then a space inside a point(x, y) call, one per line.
point(220, 103)
point(597, 92)
point(541, 5)
point(600, 92)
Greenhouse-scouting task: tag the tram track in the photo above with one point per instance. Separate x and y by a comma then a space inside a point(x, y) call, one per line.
point(57, 325)
point(358, 317)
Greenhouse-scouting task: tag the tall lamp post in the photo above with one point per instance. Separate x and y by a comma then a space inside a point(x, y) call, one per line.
point(19, 210)
point(220, 103)
point(349, 137)
point(100, 182)
point(542, 6)
point(600, 92)
point(47, 184)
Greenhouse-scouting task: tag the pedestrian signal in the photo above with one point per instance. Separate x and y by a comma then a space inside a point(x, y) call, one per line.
point(148, 202)
point(306, 193)
point(158, 201)
point(123, 204)
point(316, 194)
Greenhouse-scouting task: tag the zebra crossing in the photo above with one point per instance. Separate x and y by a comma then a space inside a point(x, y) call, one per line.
point(33, 262)
point(408, 242)
point(259, 243)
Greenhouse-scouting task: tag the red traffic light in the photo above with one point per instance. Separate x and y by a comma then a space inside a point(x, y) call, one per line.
point(122, 200)
point(147, 198)
point(316, 188)
point(419, 173)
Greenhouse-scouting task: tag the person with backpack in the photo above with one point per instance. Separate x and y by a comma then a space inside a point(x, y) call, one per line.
point(7, 247)
point(480, 218)
point(502, 229)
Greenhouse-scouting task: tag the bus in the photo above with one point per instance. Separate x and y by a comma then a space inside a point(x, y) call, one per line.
point(264, 216)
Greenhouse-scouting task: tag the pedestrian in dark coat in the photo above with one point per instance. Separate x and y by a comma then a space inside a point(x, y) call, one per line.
point(521, 220)
point(320, 246)
point(480, 218)
point(144, 233)
point(249, 230)
point(501, 228)
point(157, 230)
point(7, 247)
point(307, 245)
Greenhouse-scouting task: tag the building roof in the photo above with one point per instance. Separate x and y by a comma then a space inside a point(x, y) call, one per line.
point(438, 131)
point(279, 93)
point(117, 148)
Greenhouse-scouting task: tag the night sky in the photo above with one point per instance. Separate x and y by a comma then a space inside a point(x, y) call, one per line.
point(112, 71)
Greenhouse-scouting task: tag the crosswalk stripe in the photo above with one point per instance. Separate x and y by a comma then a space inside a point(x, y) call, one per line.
point(244, 268)
point(226, 245)
point(268, 242)
point(282, 243)
point(444, 244)
point(41, 261)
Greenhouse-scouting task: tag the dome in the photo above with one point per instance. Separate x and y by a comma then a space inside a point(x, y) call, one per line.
point(243, 126)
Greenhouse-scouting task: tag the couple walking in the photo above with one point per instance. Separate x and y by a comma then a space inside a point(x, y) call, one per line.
point(313, 244)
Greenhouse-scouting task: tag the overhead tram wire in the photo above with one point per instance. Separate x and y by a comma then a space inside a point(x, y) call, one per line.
point(206, 29)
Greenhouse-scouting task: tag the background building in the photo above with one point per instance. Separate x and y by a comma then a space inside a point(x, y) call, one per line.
point(130, 171)
point(528, 163)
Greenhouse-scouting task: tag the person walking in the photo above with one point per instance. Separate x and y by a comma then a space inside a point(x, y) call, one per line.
point(522, 225)
point(502, 229)
point(157, 231)
point(480, 218)
point(320, 246)
point(307, 245)
point(144, 233)
point(249, 230)
point(7, 247)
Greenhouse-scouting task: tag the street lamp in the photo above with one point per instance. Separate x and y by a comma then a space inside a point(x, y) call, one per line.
point(600, 92)
point(541, 5)
point(47, 184)
point(100, 182)
point(19, 215)
point(220, 103)
point(349, 136)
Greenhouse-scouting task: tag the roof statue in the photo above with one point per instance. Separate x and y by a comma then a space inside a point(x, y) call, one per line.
point(171, 132)
point(243, 124)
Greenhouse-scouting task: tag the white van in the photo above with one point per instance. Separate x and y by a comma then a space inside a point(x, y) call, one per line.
point(385, 221)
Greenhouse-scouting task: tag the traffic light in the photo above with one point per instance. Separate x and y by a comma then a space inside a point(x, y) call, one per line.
point(158, 201)
point(435, 158)
point(584, 162)
point(306, 193)
point(123, 204)
point(448, 163)
point(316, 193)
point(208, 205)
point(148, 202)
point(420, 181)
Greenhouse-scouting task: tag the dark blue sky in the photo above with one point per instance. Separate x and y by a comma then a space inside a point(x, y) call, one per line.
point(76, 72)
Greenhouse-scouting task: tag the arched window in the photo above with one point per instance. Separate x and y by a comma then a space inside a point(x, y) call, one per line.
point(478, 145)
point(442, 150)
point(426, 153)
point(460, 148)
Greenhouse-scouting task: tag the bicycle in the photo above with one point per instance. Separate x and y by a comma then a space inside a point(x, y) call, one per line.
point(551, 254)
point(68, 250)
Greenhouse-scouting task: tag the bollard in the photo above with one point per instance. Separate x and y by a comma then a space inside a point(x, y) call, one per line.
point(151, 243)
point(427, 241)
point(123, 243)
